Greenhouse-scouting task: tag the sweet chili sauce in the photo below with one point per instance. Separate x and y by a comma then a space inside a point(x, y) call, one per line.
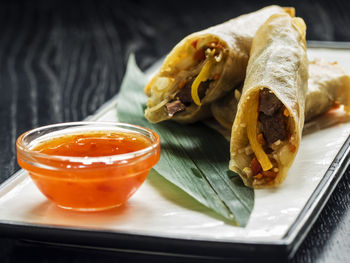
point(93, 144)
point(99, 179)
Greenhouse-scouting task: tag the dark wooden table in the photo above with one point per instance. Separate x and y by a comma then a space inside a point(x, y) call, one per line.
point(61, 60)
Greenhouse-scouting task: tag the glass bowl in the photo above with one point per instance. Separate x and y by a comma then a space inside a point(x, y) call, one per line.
point(88, 182)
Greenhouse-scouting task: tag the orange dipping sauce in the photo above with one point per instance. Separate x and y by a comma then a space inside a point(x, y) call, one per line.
point(93, 144)
point(91, 170)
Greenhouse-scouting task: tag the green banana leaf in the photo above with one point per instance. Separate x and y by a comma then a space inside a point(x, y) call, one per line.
point(193, 157)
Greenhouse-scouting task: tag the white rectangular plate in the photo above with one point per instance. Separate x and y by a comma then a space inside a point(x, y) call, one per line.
point(162, 218)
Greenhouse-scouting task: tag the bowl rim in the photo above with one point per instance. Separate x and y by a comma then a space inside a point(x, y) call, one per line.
point(29, 153)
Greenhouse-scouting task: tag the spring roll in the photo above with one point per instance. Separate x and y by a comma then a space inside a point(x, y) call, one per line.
point(328, 88)
point(203, 67)
point(267, 129)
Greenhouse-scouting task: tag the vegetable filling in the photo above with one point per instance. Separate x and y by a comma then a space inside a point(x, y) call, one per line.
point(193, 88)
point(267, 132)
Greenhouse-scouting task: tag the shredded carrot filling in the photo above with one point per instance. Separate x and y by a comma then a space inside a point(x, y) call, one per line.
point(182, 84)
point(347, 104)
point(270, 174)
point(252, 118)
point(199, 55)
point(259, 176)
point(293, 148)
point(255, 166)
point(336, 105)
point(258, 172)
point(194, 44)
point(261, 139)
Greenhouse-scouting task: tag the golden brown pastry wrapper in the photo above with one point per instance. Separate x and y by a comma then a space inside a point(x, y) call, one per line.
point(279, 63)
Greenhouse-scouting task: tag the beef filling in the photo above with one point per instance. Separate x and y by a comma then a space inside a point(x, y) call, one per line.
point(271, 117)
point(274, 127)
point(183, 98)
point(203, 88)
point(184, 95)
point(269, 104)
point(174, 107)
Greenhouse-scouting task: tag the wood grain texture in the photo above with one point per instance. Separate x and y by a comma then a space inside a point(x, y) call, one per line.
point(61, 60)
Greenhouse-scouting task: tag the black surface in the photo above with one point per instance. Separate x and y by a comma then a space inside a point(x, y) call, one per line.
point(61, 60)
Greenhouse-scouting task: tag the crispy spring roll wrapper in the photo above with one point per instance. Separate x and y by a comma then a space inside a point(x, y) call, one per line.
point(277, 72)
point(328, 87)
point(203, 67)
